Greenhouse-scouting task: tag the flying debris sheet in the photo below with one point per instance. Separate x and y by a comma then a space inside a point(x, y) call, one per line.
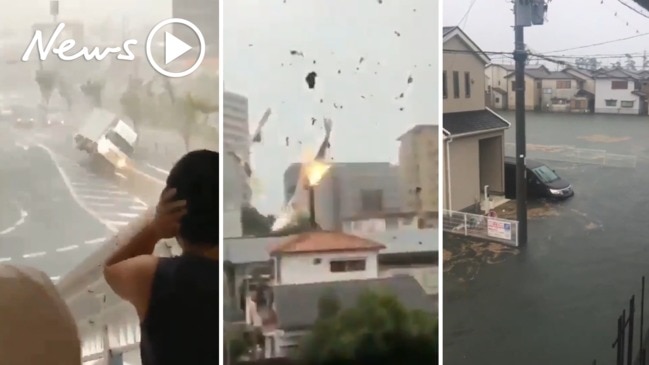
point(297, 203)
point(256, 136)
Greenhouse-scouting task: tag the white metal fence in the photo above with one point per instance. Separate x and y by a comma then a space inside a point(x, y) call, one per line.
point(575, 155)
point(481, 226)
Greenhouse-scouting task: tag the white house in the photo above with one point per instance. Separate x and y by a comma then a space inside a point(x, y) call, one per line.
point(310, 265)
point(619, 91)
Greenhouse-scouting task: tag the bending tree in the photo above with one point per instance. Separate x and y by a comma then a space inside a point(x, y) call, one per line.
point(46, 80)
point(378, 330)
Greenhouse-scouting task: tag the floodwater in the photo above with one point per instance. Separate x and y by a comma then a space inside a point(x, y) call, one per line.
point(557, 301)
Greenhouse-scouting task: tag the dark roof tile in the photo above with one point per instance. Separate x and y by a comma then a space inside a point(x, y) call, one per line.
point(472, 121)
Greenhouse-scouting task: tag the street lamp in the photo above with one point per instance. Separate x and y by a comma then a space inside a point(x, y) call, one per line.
point(315, 171)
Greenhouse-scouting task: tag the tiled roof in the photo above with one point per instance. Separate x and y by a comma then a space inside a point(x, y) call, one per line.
point(541, 74)
point(297, 305)
point(446, 30)
point(618, 73)
point(473, 121)
point(325, 242)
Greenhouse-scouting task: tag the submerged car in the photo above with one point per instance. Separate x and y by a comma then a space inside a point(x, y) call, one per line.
point(542, 181)
point(54, 119)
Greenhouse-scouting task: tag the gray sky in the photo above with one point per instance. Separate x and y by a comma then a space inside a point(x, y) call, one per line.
point(258, 38)
point(571, 23)
point(22, 13)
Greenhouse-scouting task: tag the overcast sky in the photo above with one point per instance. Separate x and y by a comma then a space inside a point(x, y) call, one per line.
point(336, 34)
point(23, 13)
point(571, 23)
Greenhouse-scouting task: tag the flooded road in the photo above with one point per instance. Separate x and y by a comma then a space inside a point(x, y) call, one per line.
point(557, 301)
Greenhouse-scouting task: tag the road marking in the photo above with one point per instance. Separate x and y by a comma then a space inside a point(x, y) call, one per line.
point(5, 259)
point(8, 230)
point(67, 248)
point(105, 191)
point(138, 207)
point(117, 223)
point(158, 169)
point(35, 254)
point(96, 240)
point(94, 197)
point(105, 205)
point(128, 215)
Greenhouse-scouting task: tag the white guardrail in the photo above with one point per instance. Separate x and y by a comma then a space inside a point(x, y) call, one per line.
point(109, 326)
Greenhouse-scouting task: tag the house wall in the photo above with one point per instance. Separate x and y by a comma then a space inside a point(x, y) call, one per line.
point(589, 83)
point(303, 269)
point(464, 156)
point(532, 94)
point(603, 92)
point(463, 62)
point(495, 76)
point(560, 93)
point(280, 343)
point(418, 157)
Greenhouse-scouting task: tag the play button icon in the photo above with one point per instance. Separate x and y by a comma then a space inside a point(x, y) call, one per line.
point(174, 47)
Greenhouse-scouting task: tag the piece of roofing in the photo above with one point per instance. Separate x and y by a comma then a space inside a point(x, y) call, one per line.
point(324, 241)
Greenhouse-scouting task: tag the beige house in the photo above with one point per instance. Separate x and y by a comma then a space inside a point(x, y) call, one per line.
point(418, 159)
point(473, 134)
point(548, 91)
point(496, 85)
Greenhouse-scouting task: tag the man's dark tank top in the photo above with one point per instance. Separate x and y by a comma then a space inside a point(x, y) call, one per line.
point(182, 322)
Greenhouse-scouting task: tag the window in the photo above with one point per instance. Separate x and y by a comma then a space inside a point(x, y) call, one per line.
point(317, 261)
point(456, 84)
point(619, 85)
point(371, 200)
point(513, 85)
point(467, 84)
point(497, 100)
point(627, 103)
point(564, 84)
point(610, 102)
point(347, 265)
point(444, 85)
point(539, 84)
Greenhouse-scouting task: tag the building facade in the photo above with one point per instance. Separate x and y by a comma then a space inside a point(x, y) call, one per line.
point(204, 14)
point(418, 161)
point(236, 143)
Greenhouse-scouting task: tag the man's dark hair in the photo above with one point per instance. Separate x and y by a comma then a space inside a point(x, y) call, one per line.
point(196, 179)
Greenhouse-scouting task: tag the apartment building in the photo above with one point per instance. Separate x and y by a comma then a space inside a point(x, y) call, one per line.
point(418, 161)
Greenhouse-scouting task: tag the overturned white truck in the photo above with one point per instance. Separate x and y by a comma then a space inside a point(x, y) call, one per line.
point(108, 135)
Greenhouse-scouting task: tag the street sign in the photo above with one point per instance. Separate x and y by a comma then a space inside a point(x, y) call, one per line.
point(499, 229)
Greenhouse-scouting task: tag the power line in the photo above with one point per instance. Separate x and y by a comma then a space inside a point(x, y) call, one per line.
point(599, 43)
point(466, 14)
point(632, 8)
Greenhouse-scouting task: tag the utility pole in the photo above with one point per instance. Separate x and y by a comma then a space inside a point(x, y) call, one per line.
point(526, 13)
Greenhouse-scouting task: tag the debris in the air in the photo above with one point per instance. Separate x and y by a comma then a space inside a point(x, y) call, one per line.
point(249, 44)
point(361, 60)
point(397, 33)
point(362, 97)
point(380, 1)
point(400, 96)
point(321, 101)
point(410, 79)
point(338, 72)
point(286, 141)
point(336, 106)
point(282, 64)
point(296, 53)
point(313, 120)
point(401, 109)
point(357, 68)
point(314, 62)
point(310, 79)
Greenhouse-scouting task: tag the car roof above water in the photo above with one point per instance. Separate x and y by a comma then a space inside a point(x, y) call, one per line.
point(531, 164)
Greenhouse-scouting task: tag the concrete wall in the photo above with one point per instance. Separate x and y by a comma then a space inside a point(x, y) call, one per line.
point(463, 62)
point(302, 268)
point(496, 76)
point(463, 174)
point(604, 92)
point(418, 162)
